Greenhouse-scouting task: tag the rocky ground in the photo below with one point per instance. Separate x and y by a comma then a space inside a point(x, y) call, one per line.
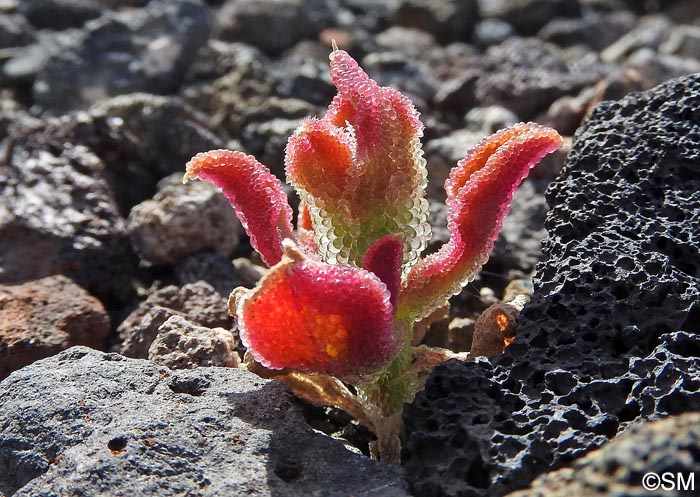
point(102, 102)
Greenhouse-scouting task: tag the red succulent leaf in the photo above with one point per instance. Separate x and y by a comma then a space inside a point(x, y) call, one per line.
point(255, 194)
point(384, 259)
point(479, 193)
point(317, 160)
point(361, 168)
point(321, 318)
point(305, 228)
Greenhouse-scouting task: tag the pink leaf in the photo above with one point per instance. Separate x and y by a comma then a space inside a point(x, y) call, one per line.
point(316, 317)
point(318, 158)
point(361, 169)
point(479, 192)
point(255, 194)
point(384, 259)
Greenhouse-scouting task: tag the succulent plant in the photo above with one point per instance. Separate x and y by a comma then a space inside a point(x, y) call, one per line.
point(345, 288)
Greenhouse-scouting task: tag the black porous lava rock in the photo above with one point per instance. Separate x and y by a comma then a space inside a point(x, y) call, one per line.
point(88, 423)
point(612, 334)
point(666, 446)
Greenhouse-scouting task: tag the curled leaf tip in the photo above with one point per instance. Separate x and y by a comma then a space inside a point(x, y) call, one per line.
point(479, 192)
point(255, 194)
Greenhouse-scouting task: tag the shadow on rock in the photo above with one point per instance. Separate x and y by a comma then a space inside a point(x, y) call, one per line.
point(102, 424)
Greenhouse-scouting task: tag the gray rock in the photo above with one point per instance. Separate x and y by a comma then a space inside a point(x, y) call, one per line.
point(267, 124)
point(60, 14)
point(406, 74)
point(596, 31)
point(683, 11)
point(519, 246)
point(442, 155)
point(145, 49)
point(611, 333)
point(489, 119)
point(180, 344)
point(198, 302)
point(269, 138)
point(162, 134)
point(369, 15)
point(215, 269)
point(438, 226)
point(40, 318)
point(650, 32)
point(99, 424)
point(241, 81)
point(15, 31)
point(59, 214)
point(218, 58)
point(683, 41)
point(526, 75)
point(616, 470)
point(25, 62)
point(411, 41)
point(305, 78)
point(528, 16)
point(449, 20)
point(489, 32)
point(285, 22)
point(13, 113)
point(566, 113)
point(656, 68)
point(457, 93)
point(180, 220)
point(68, 181)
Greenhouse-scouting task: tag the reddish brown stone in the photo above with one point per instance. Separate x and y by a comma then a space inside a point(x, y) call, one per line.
point(42, 317)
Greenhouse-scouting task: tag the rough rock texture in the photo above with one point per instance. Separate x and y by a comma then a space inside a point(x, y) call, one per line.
point(198, 302)
point(40, 318)
point(594, 30)
point(240, 80)
point(215, 269)
point(446, 20)
point(183, 345)
point(59, 14)
point(519, 246)
point(59, 215)
point(612, 333)
point(181, 220)
point(88, 423)
point(168, 131)
point(528, 15)
point(670, 446)
point(66, 182)
point(145, 49)
point(290, 20)
point(526, 75)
